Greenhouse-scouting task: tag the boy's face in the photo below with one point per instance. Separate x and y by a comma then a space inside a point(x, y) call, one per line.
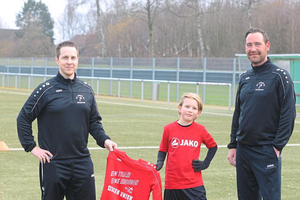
point(189, 111)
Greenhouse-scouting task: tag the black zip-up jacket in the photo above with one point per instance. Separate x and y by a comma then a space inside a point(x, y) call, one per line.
point(66, 113)
point(265, 108)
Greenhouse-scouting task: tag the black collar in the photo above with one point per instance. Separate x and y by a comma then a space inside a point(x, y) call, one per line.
point(61, 79)
point(263, 66)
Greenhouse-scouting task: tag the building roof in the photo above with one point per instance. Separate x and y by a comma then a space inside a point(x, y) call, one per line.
point(9, 34)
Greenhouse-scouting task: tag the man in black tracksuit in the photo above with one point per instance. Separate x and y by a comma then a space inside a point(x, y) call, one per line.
point(66, 113)
point(263, 122)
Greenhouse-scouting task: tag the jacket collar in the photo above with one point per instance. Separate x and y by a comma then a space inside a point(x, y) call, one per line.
point(263, 66)
point(61, 79)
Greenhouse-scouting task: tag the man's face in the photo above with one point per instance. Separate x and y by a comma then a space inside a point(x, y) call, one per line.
point(67, 61)
point(256, 49)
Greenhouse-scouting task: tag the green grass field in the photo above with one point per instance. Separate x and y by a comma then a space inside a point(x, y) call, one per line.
point(132, 123)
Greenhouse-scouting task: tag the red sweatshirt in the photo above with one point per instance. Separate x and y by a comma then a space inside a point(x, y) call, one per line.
point(130, 179)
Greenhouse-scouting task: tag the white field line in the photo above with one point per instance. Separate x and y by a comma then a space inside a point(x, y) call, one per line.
point(147, 147)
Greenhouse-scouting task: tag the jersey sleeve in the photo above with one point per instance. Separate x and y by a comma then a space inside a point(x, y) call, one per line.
point(29, 112)
point(165, 140)
point(288, 110)
point(208, 140)
point(235, 121)
point(156, 186)
point(96, 129)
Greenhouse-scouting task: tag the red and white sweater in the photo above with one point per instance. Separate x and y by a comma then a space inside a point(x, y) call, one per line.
point(130, 179)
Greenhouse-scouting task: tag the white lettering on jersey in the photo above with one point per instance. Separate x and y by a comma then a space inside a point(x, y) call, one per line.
point(113, 190)
point(126, 196)
point(129, 182)
point(124, 174)
point(113, 173)
point(115, 180)
point(189, 143)
point(175, 143)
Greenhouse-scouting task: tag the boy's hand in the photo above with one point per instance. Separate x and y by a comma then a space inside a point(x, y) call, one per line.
point(159, 165)
point(199, 165)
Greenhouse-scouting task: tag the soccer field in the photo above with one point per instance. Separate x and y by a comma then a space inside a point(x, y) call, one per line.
point(137, 128)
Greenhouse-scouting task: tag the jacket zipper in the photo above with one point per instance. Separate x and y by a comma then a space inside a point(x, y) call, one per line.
point(71, 91)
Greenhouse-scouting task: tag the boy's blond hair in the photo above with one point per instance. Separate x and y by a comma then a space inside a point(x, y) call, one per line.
point(191, 95)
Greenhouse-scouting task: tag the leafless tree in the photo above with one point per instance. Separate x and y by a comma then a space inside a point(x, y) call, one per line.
point(249, 4)
point(72, 23)
point(147, 11)
point(193, 9)
point(100, 28)
point(73, 4)
point(193, 28)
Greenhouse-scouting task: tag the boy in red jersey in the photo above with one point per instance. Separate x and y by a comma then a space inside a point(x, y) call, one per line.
point(182, 141)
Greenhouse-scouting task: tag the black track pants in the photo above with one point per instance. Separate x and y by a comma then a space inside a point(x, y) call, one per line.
point(196, 193)
point(258, 173)
point(73, 178)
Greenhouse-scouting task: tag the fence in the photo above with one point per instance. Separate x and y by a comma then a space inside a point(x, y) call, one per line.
point(133, 88)
point(211, 70)
point(175, 71)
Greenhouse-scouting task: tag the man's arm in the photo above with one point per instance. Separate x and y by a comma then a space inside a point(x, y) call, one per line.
point(234, 128)
point(29, 112)
point(96, 129)
point(24, 128)
point(287, 113)
point(27, 115)
point(235, 121)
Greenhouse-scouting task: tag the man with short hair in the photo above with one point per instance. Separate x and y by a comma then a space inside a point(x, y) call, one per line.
point(262, 123)
point(66, 112)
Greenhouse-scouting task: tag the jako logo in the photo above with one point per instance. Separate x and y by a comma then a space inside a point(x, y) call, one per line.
point(175, 142)
point(80, 98)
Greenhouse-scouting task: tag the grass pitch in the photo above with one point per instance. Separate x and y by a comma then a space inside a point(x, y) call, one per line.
point(132, 123)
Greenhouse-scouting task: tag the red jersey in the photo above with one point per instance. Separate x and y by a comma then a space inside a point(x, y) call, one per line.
point(130, 179)
point(183, 145)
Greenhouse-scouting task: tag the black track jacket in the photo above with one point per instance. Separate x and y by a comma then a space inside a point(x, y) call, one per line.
point(265, 107)
point(66, 113)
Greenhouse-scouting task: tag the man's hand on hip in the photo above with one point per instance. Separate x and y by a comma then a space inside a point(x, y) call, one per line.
point(43, 155)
